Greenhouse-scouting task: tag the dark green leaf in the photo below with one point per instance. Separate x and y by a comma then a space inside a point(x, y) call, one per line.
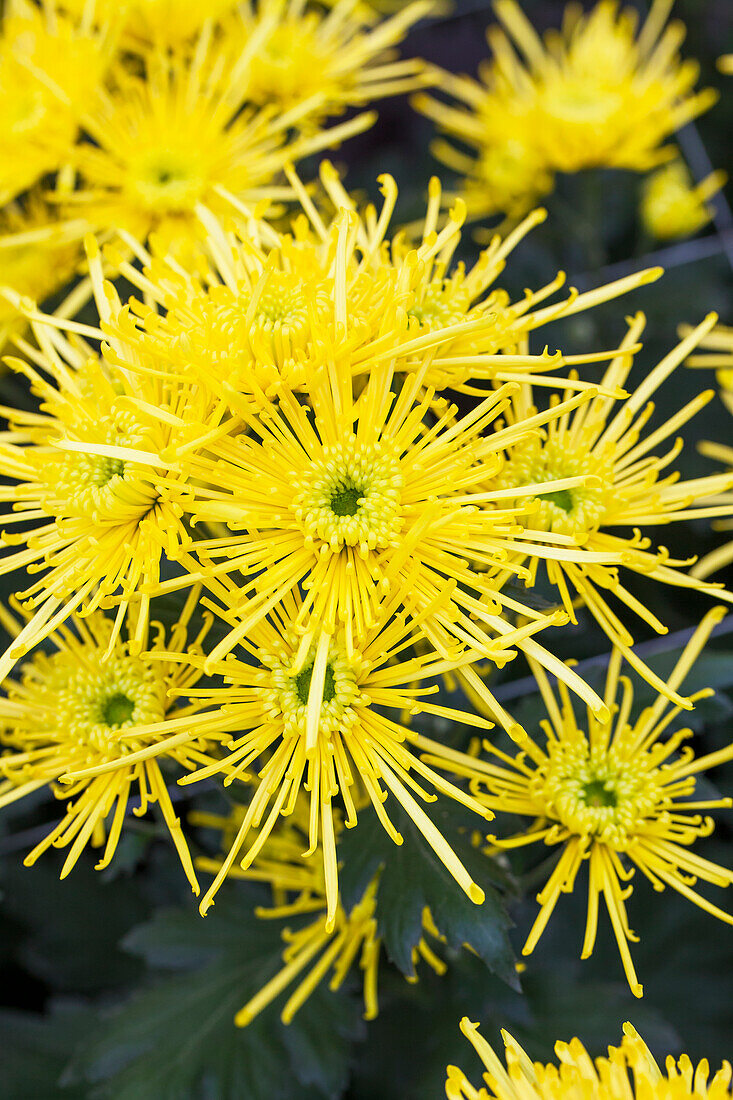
point(176, 1039)
point(412, 878)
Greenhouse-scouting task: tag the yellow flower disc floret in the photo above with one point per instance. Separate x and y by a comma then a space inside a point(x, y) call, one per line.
point(90, 702)
point(351, 496)
point(567, 511)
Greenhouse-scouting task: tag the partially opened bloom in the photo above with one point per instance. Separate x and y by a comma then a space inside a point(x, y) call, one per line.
point(613, 796)
point(672, 206)
point(637, 487)
point(595, 94)
point(326, 720)
point(64, 713)
point(628, 1072)
point(319, 946)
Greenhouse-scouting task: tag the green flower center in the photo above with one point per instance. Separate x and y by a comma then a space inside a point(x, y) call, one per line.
point(596, 792)
point(351, 496)
point(303, 685)
point(104, 469)
point(345, 501)
point(116, 709)
point(563, 498)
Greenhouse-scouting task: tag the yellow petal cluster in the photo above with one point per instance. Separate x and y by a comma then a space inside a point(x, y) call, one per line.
point(671, 206)
point(66, 711)
point(599, 92)
point(131, 116)
point(628, 1072)
point(244, 409)
point(615, 795)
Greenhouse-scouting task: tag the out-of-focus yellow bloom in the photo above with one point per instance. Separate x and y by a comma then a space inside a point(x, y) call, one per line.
point(50, 67)
point(672, 206)
point(627, 486)
point(320, 945)
point(38, 257)
point(284, 55)
point(162, 22)
point(725, 63)
point(616, 796)
point(595, 94)
point(179, 136)
point(504, 172)
point(66, 712)
point(629, 1072)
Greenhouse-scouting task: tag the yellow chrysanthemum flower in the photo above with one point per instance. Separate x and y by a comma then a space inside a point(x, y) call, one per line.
point(318, 946)
point(38, 257)
point(632, 490)
point(629, 1072)
point(272, 307)
point(50, 66)
point(89, 469)
point(65, 712)
point(615, 796)
point(672, 206)
point(179, 135)
point(504, 172)
point(725, 63)
point(596, 94)
point(357, 502)
point(318, 719)
point(285, 55)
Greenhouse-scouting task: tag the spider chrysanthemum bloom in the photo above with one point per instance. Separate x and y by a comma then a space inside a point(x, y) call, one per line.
point(179, 134)
point(357, 502)
point(91, 505)
point(273, 306)
point(672, 206)
point(327, 719)
point(614, 795)
point(285, 55)
point(637, 487)
point(64, 713)
point(320, 945)
point(596, 94)
point(50, 65)
point(628, 1072)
